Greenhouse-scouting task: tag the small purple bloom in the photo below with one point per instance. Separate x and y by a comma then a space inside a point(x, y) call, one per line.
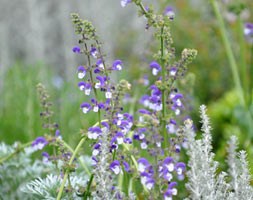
point(169, 11)
point(94, 52)
point(170, 191)
point(86, 87)
point(155, 67)
point(39, 143)
point(96, 149)
point(172, 126)
point(248, 32)
point(57, 133)
point(76, 49)
point(169, 163)
point(143, 164)
point(45, 156)
point(119, 137)
point(173, 71)
point(180, 169)
point(167, 175)
point(117, 65)
point(115, 167)
point(85, 107)
point(101, 82)
point(125, 2)
point(81, 72)
point(150, 183)
point(100, 64)
point(128, 141)
point(94, 132)
point(126, 166)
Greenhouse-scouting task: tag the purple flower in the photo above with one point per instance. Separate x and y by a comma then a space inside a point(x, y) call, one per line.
point(76, 49)
point(115, 167)
point(126, 166)
point(143, 164)
point(86, 87)
point(166, 174)
point(108, 94)
point(248, 32)
point(119, 137)
point(96, 149)
point(94, 132)
point(100, 64)
point(125, 2)
point(169, 163)
point(39, 143)
point(81, 72)
point(128, 141)
point(169, 11)
point(170, 191)
point(45, 156)
point(94, 52)
point(101, 82)
point(172, 126)
point(85, 107)
point(155, 67)
point(173, 71)
point(150, 183)
point(117, 65)
point(180, 169)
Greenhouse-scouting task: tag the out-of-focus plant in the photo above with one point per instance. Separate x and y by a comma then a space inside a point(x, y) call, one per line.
point(131, 158)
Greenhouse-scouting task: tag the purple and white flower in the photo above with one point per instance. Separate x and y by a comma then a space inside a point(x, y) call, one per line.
point(117, 65)
point(39, 143)
point(94, 52)
point(94, 132)
point(86, 107)
point(155, 67)
point(115, 167)
point(169, 11)
point(248, 32)
point(125, 2)
point(81, 72)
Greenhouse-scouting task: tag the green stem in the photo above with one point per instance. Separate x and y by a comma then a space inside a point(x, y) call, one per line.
point(243, 65)
point(87, 192)
point(229, 52)
point(67, 171)
point(80, 161)
point(250, 73)
point(164, 132)
point(19, 149)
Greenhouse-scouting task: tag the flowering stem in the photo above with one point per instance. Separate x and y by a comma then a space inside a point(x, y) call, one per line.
point(92, 81)
point(18, 149)
point(68, 171)
point(164, 132)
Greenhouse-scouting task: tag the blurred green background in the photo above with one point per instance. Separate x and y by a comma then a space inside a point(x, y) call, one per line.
point(123, 35)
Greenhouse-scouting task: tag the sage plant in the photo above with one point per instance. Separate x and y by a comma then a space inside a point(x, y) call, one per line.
point(133, 156)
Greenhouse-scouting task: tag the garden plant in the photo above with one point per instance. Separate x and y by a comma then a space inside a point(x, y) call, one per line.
point(147, 148)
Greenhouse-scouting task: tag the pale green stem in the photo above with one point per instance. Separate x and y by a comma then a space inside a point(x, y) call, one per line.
point(80, 161)
point(229, 52)
point(67, 171)
point(243, 65)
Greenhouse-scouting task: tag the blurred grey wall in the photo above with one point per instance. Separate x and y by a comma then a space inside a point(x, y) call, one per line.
point(41, 30)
